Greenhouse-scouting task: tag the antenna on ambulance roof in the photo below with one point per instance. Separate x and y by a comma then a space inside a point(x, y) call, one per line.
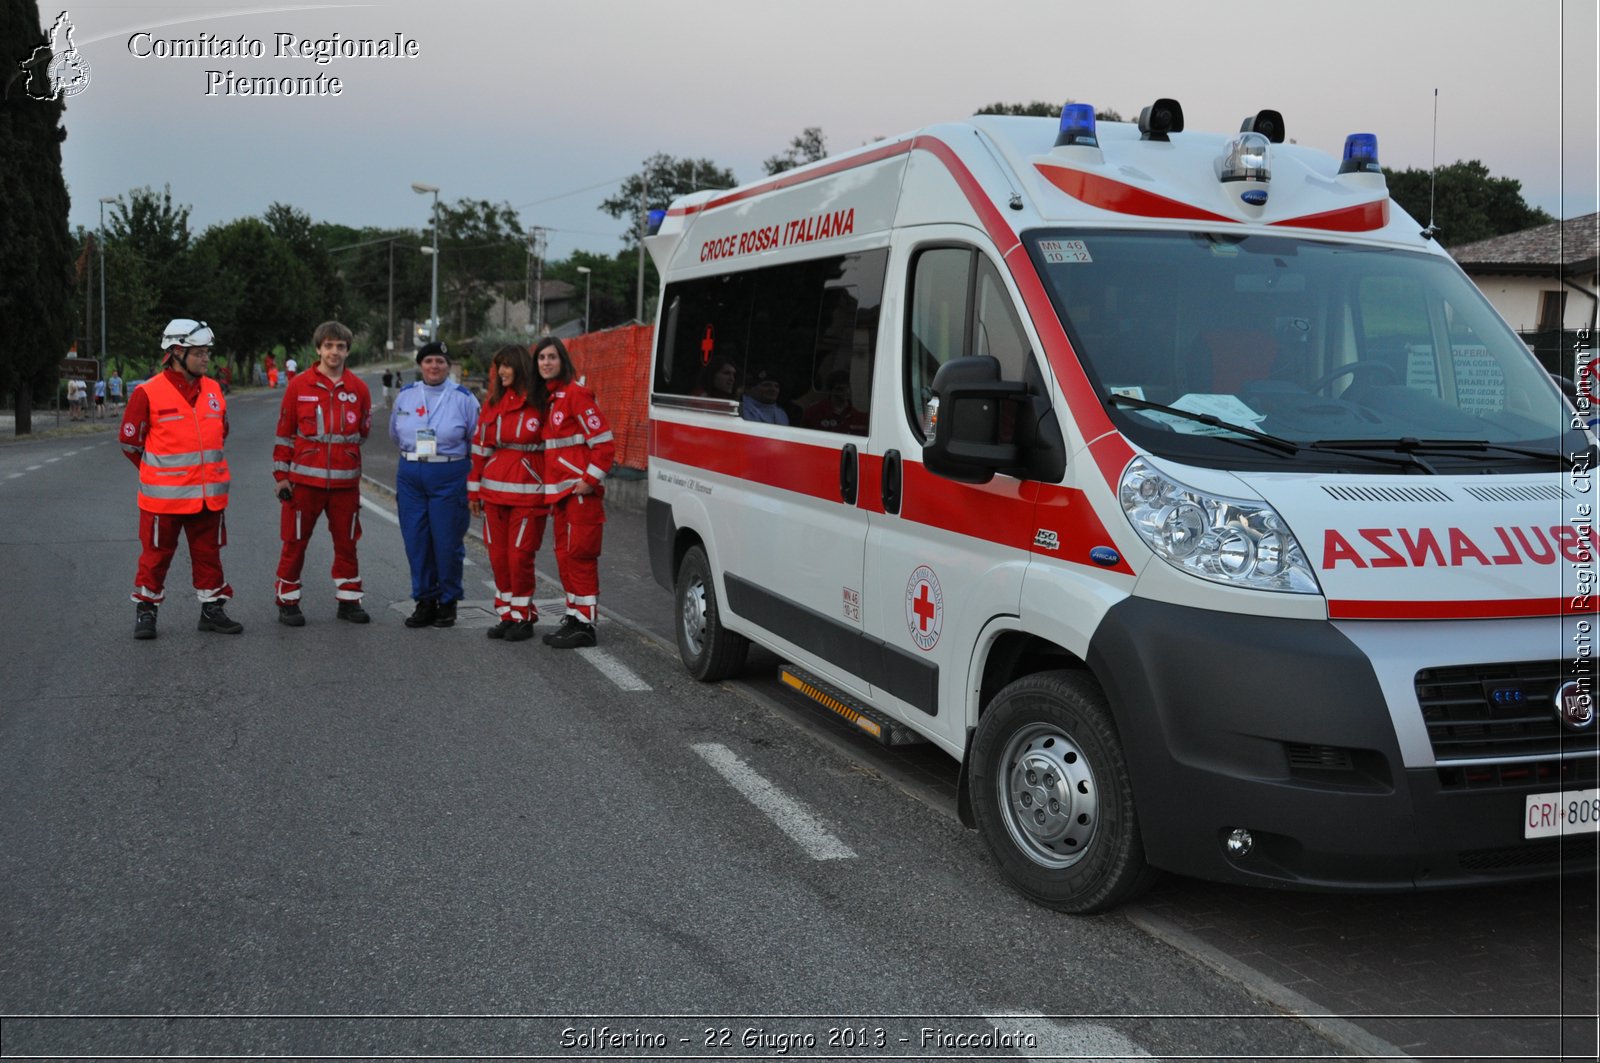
point(1433, 175)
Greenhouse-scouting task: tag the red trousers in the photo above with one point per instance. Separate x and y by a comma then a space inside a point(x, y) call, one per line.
point(343, 508)
point(578, 521)
point(512, 535)
point(158, 535)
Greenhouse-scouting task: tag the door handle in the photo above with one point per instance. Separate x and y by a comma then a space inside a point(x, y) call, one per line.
point(848, 474)
point(891, 482)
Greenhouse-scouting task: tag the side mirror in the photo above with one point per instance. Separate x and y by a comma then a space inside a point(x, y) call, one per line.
point(966, 444)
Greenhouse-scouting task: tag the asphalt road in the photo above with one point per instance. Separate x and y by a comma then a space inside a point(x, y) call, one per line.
point(377, 842)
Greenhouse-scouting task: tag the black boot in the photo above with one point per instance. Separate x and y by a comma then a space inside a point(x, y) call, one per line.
point(144, 621)
point(520, 632)
point(446, 615)
point(574, 637)
point(566, 625)
point(423, 614)
point(353, 612)
point(291, 615)
point(500, 629)
point(213, 618)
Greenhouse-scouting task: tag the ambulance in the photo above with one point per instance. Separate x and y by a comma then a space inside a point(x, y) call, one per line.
point(1179, 485)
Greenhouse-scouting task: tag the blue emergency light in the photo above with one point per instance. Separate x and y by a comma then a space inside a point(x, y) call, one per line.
point(1360, 154)
point(653, 225)
point(1077, 126)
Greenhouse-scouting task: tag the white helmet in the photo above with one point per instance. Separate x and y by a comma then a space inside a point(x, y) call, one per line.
point(186, 332)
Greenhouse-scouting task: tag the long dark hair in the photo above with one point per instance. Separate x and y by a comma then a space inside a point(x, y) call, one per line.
point(522, 372)
point(568, 373)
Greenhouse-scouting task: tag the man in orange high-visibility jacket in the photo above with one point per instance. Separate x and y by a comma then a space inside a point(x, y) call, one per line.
point(173, 431)
point(316, 460)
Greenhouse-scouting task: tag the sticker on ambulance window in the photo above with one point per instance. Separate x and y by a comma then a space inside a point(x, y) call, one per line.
point(1227, 408)
point(1064, 251)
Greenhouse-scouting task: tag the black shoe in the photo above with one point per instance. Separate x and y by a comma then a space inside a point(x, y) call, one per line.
point(423, 614)
point(353, 612)
point(446, 615)
point(567, 623)
point(144, 621)
point(579, 634)
point(500, 629)
point(212, 618)
point(520, 632)
point(291, 616)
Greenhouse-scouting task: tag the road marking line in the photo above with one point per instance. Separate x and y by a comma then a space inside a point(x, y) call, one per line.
point(367, 503)
point(791, 817)
point(612, 669)
point(52, 461)
point(32, 468)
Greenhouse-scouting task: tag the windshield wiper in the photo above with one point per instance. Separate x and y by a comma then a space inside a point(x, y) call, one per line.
point(1413, 446)
point(1278, 443)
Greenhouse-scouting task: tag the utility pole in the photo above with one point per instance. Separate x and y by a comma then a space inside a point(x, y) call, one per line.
point(644, 213)
point(537, 233)
point(390, 344)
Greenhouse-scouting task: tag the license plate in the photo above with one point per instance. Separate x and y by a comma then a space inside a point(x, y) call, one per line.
point(1572, 812)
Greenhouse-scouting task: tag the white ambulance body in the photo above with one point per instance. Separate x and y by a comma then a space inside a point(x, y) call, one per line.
point(1174, 482)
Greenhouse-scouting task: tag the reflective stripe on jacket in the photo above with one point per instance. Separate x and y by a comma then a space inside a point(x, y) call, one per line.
point(507, 456)
point(321, 426)
point(182, 469)
point(577, 441)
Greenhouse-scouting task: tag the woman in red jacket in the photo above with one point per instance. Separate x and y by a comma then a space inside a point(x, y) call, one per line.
point(578, 451)
point(506, 487)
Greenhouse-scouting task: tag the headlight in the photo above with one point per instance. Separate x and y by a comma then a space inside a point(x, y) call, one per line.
point(1225, 540)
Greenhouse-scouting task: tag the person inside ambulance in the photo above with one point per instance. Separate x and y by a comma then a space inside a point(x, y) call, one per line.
point(719, 380)
point(835, 412)
point(760, 401)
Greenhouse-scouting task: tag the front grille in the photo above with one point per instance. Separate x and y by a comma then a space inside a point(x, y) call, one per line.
point(1486, 711)
point(1578, 773)
point(1573, 853)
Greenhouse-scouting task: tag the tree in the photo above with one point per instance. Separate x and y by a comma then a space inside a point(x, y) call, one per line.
point(482, 245)
point(363, 257)
point(1042, 109)
point(610, 285)
point(157, 231)
point(257, 291)
point(668, 178)
point(36, 248)
point(295, 228)
point(809, 146)
point(1468, 204)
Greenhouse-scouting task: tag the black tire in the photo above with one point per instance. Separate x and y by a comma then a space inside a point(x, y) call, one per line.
point(710, 651)
point(1051, 794)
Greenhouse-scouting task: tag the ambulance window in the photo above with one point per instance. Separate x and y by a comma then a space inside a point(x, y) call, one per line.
point(940, 309)
point(959, 307)
point(1392, 323)
point(999, 334)
point(705, 328)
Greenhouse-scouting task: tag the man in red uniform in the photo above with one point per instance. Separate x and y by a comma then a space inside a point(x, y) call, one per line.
point(325, 417)
point(173, 431)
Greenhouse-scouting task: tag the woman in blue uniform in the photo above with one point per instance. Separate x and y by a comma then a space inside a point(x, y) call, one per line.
point(432, 423)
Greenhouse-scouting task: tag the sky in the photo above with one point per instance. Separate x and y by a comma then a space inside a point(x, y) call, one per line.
point(548, 105)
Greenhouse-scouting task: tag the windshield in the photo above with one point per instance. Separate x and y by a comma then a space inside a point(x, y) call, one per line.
point(1307, 341)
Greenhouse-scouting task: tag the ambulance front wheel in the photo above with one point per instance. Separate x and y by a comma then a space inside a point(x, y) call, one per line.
point(1051, 794)
point(710, 651)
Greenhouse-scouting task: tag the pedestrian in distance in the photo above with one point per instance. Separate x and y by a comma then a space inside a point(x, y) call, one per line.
point(506, 487)
point(316, 466)
point(290, 368)
point(114, 387)
point(388, 382)
point(432, 423)
point(99, 399)
point(77, 394)
point(578, 451)
point(173, 431)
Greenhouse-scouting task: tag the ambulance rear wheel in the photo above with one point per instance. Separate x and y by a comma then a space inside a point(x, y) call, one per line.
point(1051, 794)
point(710, 651)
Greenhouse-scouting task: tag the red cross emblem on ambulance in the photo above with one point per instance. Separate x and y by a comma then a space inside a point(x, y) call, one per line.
point(924, 607)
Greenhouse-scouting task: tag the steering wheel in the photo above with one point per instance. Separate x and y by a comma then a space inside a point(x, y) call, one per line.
point(1366, 365)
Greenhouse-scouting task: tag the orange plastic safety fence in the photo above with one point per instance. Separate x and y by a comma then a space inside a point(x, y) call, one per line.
point(616, 364)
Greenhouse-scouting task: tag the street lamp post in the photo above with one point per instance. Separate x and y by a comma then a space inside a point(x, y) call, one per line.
point(103, 201)
point(586, 271)
point(433, 309)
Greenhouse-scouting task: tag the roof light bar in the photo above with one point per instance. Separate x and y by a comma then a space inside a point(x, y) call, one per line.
point(1360, 154)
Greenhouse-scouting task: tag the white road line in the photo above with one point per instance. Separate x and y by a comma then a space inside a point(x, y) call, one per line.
point(612, 669)
point(32, 468)
point(1068, 1040)
point(791, 817)
point(367, 503)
